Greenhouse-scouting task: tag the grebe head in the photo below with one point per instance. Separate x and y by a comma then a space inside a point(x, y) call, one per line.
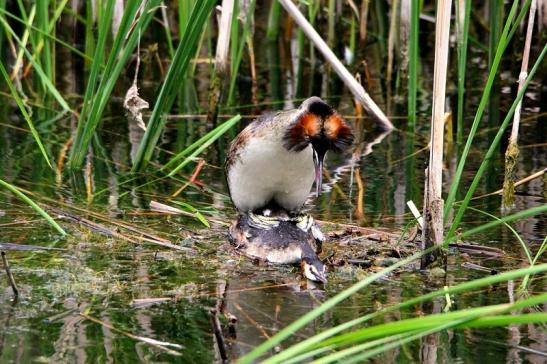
point(321, 126)
point(313, 269)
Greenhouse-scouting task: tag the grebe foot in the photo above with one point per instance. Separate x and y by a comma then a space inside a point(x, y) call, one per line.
point(259, 221)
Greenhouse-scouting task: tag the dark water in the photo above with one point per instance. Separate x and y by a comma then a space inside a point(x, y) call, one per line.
point(108, 277)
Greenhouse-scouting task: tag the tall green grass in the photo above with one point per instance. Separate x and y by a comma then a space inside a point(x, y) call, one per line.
point(101, 81)
point(185, 51)
point(42, 75)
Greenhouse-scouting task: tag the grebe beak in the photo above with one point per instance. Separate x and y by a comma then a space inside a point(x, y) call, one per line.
point(318, 158)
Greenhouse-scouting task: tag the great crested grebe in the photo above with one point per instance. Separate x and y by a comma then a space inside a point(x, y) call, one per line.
point(270, 168)
point(275, 159)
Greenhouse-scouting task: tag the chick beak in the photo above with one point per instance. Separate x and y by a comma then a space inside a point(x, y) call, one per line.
point(313, 274)
point(318, 162)
point(320, 277)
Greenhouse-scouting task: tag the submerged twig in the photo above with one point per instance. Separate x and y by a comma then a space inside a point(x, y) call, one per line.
point(152, 342)
point(10, 276)
point(355, 87)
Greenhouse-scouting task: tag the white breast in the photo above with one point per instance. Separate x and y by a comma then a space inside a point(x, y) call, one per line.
point(265, 170)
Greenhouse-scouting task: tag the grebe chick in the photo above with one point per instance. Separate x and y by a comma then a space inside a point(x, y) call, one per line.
point(278, 241)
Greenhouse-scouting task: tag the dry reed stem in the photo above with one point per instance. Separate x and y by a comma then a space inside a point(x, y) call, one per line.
point(523, 69)
point(355, 87)
point(433, 203)
point(221, 59)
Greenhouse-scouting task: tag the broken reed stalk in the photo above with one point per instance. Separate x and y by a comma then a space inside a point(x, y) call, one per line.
point(221, 60)
point(10, 276)
point(512, 152)
point(433, 202)
point(355, 87)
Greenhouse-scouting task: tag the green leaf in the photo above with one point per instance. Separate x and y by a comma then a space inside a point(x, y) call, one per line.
point(33, 205)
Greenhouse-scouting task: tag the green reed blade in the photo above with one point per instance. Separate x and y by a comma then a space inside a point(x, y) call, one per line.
point(31, 203)
point(185, 50)
point(42, 15)
point(198, 215)
point(2, 34)
point(541, 250)
point(428, 321)
point(84, 132)
point(24, 41)
point(23, 110)
point(488, 316)
point(274, 19)
point(47, 34)
point(464, 323)
point(203, 143)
